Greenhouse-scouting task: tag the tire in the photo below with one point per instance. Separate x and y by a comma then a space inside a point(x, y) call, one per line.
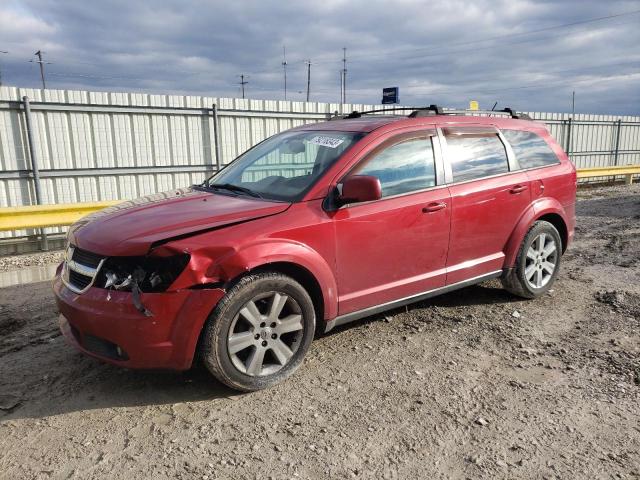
point(531, 277)
point(259, 332)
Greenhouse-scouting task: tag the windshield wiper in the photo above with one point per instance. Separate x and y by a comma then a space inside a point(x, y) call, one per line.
point(234, 188)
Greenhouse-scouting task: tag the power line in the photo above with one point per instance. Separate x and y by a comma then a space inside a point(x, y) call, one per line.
point(469, 85)
point(438, 52)
point(488, 39)
point(535, 85)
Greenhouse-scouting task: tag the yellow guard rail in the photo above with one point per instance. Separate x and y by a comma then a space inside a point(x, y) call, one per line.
point(39, 216)
point(627, 170)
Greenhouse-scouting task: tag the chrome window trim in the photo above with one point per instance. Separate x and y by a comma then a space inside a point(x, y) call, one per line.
point(541, 166)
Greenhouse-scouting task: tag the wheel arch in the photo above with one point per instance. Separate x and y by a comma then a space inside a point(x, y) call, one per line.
point(301, 275)
point(296, 260)
point(557, 221)
point(547, 209)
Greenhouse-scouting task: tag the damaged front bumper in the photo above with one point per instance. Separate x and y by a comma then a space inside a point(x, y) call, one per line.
point(106, 324)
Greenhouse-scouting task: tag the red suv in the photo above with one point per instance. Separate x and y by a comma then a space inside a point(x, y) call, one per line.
point(312, 228)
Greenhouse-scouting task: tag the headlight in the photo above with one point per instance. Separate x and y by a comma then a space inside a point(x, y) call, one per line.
point(151, 274)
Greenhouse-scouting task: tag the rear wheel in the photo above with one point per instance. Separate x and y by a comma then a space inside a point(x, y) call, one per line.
point(538, 262)
point(260, 331)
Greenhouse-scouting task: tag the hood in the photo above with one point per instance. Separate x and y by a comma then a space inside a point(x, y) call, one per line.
point(131, 228)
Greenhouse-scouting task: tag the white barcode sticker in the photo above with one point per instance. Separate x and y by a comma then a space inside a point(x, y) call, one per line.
point(326, 141)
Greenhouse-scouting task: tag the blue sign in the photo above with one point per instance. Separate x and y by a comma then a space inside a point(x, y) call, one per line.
point(390, 95)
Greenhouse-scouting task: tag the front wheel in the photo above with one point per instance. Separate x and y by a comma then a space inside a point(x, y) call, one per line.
point(260, 331)
point(538, 262)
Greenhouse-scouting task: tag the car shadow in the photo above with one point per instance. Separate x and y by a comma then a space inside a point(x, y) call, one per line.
point(486, 293)
point(58, 380)
point(51, 378)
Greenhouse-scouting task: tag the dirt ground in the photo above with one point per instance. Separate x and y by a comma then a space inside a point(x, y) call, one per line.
point(473, 384)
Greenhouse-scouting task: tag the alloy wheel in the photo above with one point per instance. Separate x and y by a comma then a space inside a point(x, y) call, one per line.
point(541, 260)
point(265, 334)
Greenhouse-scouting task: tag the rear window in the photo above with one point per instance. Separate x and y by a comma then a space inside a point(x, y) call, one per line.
point(530, 149)
point(476, 156)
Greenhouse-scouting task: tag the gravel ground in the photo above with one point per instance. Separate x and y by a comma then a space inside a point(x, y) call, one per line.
point(473, 384)
point(16, 262)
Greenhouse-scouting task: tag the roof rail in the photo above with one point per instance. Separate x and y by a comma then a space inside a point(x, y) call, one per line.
point(430, 111)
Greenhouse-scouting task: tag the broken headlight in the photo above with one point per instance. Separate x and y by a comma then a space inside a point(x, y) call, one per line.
point(150, 274)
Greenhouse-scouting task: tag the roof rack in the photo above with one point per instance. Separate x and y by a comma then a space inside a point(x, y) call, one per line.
point(430, 111)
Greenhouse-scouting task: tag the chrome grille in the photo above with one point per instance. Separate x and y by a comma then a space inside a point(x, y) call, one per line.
point(86, 258)
point(80, 268)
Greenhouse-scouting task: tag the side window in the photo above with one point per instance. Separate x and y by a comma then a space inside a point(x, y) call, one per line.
point(405, 166)
point(530, 149)
point(474, 156)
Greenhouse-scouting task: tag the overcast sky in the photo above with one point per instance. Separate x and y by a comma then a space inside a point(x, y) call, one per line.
point(438, 51)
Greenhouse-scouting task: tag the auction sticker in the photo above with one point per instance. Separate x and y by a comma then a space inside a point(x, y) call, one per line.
point(326, 141)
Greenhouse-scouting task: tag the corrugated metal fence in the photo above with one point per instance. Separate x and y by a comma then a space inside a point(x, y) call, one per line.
point(94, 146)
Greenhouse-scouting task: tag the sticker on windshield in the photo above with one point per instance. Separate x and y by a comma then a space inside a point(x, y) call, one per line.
point(326, 141)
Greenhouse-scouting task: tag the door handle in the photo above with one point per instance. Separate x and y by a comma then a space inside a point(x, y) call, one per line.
point(434, 207)
point(518, 189)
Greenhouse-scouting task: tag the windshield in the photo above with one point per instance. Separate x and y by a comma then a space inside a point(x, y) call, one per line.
point(284, 166)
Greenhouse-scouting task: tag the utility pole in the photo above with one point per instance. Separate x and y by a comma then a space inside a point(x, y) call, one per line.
point(1, 51)
point(284, 68)
point(39, 55)
point(243, 82)
point(344, 76)
point(573, 104)
point(308, 62)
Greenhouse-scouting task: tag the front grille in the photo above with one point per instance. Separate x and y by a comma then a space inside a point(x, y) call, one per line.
point(80, 268)
point(86, 258)
point(79, 280)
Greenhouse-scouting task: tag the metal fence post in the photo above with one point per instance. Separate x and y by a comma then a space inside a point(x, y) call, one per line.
point(569, 123)
point(34, 164)
point(216, 137)
point(615, 155)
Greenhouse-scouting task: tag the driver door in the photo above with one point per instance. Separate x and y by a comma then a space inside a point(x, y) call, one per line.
point(395, 247)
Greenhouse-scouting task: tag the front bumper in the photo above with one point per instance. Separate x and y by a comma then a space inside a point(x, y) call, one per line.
point(105, 324)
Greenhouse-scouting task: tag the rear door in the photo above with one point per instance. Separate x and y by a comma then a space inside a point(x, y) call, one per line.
point(395, 247)
point(488, 196)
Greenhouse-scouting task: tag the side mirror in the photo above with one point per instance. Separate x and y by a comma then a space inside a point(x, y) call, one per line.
point(360, 188)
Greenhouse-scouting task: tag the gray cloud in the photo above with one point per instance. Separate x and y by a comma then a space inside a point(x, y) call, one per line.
point(446, 52)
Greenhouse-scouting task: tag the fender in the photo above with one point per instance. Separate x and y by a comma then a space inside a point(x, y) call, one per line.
point(215, 266)
point(537, 209)
point(283, 250)
point(223, 264)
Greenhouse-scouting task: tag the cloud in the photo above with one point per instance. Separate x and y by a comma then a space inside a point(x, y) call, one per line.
point(445, 51)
